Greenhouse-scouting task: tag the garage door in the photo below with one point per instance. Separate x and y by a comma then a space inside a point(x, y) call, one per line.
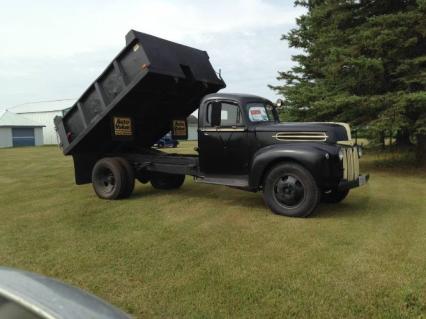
point(23, 137)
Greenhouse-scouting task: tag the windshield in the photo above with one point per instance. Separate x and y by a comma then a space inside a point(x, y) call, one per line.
point(260, 112)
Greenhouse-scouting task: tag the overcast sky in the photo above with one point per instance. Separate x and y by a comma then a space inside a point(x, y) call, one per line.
point(55, 49)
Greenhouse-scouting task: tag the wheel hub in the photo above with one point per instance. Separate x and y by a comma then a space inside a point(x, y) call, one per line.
point(110, 180)
point(289, 191)
point(107, 180)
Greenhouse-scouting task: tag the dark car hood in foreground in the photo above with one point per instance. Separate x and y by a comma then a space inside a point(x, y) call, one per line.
point(50, 298)
point(333, 132)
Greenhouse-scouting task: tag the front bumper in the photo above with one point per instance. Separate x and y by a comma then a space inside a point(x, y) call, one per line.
point(360, 181)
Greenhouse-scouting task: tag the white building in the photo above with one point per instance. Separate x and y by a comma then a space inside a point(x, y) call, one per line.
point(192, 128)
point(16, 130)
point(44, 112)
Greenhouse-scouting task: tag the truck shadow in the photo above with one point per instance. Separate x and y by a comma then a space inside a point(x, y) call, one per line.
point(203, 193)
point(347, 208)
point(247, 200)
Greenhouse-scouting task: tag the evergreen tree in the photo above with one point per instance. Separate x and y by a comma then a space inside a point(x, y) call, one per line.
point(362, 62)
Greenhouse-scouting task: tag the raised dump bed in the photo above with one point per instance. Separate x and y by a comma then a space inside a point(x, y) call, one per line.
point(151, 83)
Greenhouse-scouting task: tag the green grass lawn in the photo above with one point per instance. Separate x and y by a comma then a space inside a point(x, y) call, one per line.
point(209, 251)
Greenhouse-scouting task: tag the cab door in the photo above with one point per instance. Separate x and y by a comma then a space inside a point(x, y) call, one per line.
point(222, 139)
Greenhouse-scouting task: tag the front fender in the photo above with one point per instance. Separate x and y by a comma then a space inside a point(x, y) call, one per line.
point(311, 156)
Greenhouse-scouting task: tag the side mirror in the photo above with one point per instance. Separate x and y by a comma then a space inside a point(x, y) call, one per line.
point(216, 114)
point(279, 104)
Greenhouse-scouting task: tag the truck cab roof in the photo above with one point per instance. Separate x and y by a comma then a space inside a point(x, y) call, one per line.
point(238, 97)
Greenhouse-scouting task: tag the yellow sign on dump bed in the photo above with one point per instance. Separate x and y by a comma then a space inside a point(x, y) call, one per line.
point(122, 126)
point(180, 129)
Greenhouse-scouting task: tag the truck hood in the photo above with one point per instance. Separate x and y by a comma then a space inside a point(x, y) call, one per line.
point(307, 131)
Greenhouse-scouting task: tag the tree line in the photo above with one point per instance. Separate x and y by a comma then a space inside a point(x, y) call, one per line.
point(362, 62)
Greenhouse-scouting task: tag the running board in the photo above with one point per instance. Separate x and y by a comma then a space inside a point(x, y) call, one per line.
point(240, 181)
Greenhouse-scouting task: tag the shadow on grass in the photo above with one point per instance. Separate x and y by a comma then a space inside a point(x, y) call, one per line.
point(206, 192)
point(344, 209)
point(247, 200)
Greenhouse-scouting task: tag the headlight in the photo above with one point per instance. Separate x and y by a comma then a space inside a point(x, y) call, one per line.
point(341, 155)
point(360, 152)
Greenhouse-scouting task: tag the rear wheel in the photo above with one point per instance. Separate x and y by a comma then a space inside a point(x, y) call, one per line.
point(290, 190)
point(334, 196)
point(167, 181)
point(109, 178)
point(130, 178)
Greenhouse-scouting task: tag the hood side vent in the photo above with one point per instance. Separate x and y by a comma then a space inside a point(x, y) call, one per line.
point(301, 136)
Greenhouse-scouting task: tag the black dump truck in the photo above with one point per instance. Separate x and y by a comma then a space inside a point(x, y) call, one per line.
point(152, 86)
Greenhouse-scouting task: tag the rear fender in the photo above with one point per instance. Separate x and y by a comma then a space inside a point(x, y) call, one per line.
point(83, 166)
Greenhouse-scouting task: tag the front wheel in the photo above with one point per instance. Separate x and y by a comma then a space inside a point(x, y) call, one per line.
point(334, 196)
point(290, 190)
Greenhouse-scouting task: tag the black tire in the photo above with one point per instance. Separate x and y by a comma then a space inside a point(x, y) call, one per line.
point(334, 196)
point(289, 189)
point(109, 178)
point(130, 178)
point(167, 181)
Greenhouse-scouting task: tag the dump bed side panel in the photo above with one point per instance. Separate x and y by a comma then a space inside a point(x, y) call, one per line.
point(150, 83)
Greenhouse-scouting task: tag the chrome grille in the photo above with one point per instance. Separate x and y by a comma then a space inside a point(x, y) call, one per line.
point(350, 163)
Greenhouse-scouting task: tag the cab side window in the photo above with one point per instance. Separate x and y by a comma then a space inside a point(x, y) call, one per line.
point(230, 114)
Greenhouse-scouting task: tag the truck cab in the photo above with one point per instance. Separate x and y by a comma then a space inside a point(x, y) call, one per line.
point(242, 141)
point(227, 131)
